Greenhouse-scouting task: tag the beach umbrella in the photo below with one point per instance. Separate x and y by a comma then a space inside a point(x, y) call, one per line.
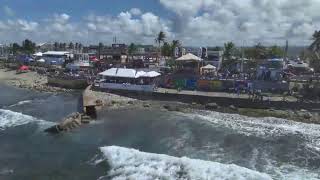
point(24, 68)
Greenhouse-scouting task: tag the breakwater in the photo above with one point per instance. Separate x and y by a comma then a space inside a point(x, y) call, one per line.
point(220, 100)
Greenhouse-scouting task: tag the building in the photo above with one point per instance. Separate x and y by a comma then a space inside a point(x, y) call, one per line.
point(116, 54)
point(56, 57)
point(214, 58)
point(127, 79)
point(4, 51)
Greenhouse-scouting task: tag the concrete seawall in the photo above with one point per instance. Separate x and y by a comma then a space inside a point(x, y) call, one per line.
point(222, 101)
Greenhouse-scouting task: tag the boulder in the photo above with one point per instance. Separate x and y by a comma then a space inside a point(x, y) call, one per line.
point(307, 115)
point(232, 107)
point(212, 106)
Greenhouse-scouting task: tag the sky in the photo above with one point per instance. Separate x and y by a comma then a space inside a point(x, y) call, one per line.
point(193, 22)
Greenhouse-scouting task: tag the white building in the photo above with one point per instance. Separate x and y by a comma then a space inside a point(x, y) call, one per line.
point(56, 57)
point(127, 79)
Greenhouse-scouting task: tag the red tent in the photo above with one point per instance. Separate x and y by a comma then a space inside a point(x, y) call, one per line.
point(24, 68)
point(94, 59)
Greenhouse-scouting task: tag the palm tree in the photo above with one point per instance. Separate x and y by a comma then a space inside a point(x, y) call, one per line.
point(315, 46)
point(160, 39)
point(228, 50)
point(132, 49)
point(99, 50)
point(175, 43)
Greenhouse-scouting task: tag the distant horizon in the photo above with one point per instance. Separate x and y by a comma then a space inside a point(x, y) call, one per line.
point(193, 22)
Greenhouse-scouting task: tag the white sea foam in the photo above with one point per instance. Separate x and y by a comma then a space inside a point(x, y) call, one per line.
point(21, 103)
point(12, 119)
point(261, 127)
point(133, 164)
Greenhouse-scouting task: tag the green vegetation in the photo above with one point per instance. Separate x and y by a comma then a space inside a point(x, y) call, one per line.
point(27, 47)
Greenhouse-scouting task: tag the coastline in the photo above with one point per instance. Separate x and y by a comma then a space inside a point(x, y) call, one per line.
point(29, 80)
point(33, 81)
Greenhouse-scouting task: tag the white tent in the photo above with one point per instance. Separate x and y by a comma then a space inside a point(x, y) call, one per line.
point(41, 60)
point(128, 73)
point(189, 57)
point(209, 66)
point(151, 74)
point(38, 54)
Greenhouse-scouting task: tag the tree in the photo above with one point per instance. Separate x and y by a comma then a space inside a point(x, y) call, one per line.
point(229, 49)
point(160, 39)
point(64, 46)
point(132, 48)
point(167, 49)
point(275, 52)
point(28, 46)
point(15, 48)
point(100, 47)
point(315, 46)
point(71, 45)
point(56, 46)
point(229, 52)
point(174, 45)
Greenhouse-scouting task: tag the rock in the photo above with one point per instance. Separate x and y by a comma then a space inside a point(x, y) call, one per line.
point(85, 121)
point(130, 102)
point(146, 105)
point(232, 107)
point(166, 107)
point(303, 110)
point(170, 108)
point(212, 106)
point(307, 115)
point(54, 129)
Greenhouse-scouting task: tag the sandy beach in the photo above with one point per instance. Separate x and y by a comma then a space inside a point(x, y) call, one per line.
point(29, 80)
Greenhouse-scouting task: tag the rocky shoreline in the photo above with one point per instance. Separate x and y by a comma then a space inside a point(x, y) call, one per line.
point(116, 102)
point(29, 80)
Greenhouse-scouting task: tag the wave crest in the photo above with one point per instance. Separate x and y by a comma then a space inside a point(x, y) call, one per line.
point(12, 119)
point(133, 164)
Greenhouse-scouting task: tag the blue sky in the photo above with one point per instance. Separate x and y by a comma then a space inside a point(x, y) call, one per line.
point(37, 9)
point(193, 22)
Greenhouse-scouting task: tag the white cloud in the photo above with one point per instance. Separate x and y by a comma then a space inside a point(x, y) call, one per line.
point(194, 22)
point(135, 11)
point(270, 21)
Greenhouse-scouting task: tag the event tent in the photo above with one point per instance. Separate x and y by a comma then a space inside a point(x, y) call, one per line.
point(189, 57)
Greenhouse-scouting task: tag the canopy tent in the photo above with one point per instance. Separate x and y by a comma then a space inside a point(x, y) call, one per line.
point(41, 60)
point(56, 53)
point(128, 73)
point(209, 67)
point(38, 54)
point(24, 68)
point(189, 57)
point(208, 70)
point(151, 74)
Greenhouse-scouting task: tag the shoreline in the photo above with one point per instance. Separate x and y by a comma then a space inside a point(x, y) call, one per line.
point(112, 101)
point(30, 80)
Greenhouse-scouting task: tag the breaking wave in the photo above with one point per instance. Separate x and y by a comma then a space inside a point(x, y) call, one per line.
point(132, 164)
point(21, 103)
point(10, 119)
point(282, 148)
point(261, 127)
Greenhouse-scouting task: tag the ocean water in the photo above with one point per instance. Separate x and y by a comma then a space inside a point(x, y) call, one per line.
point(149, 143)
